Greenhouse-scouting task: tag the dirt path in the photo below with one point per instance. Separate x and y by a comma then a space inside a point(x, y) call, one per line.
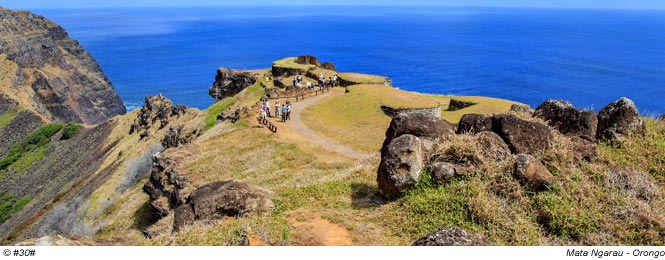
point(317, 231)
point(299, 127)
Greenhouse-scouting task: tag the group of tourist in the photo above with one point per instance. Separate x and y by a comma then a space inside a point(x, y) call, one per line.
point(322, 81)
point(282, 111)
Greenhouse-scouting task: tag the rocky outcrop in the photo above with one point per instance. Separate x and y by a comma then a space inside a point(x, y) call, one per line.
point(393, 112)
point(401, 165)
point(474, 123)
point(308, 60)
point(455, 105)
point(165, 185)
point(661, 118)
point(452, 236)
point(328, 65)
point(229, 82)
point(567, 119)
point(55, 76)
point(224, 198)
point(420, 125)
point(532, 173)
point(619, 119)
point(522, 136)
point(156, 109)
point(176, 136)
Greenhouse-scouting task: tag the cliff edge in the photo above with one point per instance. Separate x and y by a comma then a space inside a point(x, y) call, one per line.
point(46, 71)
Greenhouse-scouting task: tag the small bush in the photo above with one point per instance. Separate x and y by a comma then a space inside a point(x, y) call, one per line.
point(9, 206)
point(70, 130)
point(37, 139)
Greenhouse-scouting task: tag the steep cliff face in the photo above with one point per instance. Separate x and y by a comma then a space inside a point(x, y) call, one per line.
point(46, 71)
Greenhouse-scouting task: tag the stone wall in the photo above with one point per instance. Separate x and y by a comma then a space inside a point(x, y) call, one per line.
point(392, 112)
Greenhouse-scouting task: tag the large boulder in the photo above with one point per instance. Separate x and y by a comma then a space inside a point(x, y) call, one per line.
point(308, 60)
point(229, 82)
point(223, 198)
point(401, 165)
point(420, 125)
point(532, 173)
point(474, 123)
point(455, 105)
point(522, 136)
point(618, 119)
point(492, 147)
point(452, 236)
point(567, 119)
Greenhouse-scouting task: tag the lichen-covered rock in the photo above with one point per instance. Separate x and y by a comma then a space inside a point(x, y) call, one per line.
point(521, 109)
point(567, 119)
point(619, 119)
point(455, 105)
point(401, 166)
point(420, 125)
point(229, 82)
point(532, 173)
point(57, 78)
point(223, 198)
point(522, 136)
point(452, 236)
point(474, 123)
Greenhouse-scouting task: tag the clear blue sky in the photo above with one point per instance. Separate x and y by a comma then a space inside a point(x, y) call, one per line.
point(615, 4)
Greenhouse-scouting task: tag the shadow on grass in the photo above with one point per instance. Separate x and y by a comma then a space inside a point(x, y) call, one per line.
point(144, 217)
point(366, 196)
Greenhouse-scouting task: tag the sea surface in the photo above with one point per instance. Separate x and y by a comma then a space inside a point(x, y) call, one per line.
point(589, 57)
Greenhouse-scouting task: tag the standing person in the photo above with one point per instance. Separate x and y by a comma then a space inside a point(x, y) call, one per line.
point(276, 108)
point(309, 85)
point(295, 80)
point(283, 113)
point(288, 110)
point(334, 79)
point(266, 107)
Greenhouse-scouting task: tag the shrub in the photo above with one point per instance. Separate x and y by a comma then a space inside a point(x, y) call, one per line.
point(70, 130)
point(37, 139)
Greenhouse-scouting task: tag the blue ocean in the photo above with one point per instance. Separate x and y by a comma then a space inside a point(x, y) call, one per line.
point(589, 57)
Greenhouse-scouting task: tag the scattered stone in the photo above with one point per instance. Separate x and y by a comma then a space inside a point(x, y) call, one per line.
point(521, 109)
point(420, 125)
point(452, 236)
point(522, 136)
point(474, 123)
point(567, 119)
point(492, 147)
point(457, 105)
point(401, 165)
point(442, 172)
point(226, 115)
point(229, 82)
point(584, 149)
point(619, 119)
point(532, 173)
point(223, 198)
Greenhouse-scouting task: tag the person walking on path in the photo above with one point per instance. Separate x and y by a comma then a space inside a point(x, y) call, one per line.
point(276, 108)
point(283, 113)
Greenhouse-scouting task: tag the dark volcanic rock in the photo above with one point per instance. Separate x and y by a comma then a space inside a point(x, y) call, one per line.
point(492, 147)
point(457, 105)
point(329, 66)
point(584, 149)
point(618, 119)
point(65, 82)
point(522, 136)
point(401, 165)
point(474, 123)
point(223, 198)
point(229, 82)
point(420, 125)
point(442, 172)
point(452, 236)
point(308, 60)
point(156, 109)
point(532, 173)
point(567, 119)
point(165, 182)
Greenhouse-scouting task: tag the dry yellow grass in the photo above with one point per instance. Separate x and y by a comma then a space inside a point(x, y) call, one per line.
point(483, 105)
point(362, 78)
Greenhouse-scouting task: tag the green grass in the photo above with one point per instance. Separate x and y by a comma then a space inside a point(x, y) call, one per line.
point(70, 130)
point(7, 117)
point(216, 109)
point(30, 147)
point(9, 206)
point(482, 105)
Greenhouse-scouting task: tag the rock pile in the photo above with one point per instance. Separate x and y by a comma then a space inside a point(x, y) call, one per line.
point(414, 141)
point(165, 185)
point(156, 109)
